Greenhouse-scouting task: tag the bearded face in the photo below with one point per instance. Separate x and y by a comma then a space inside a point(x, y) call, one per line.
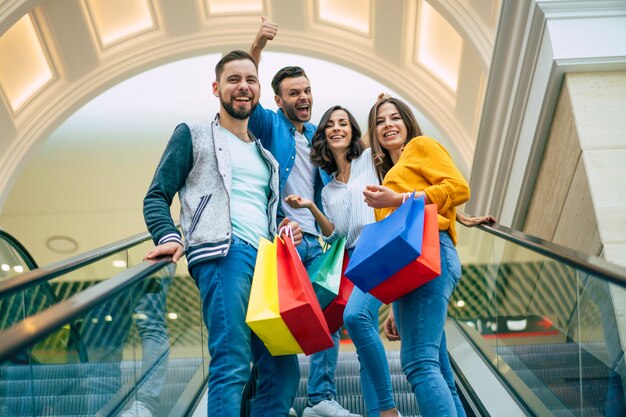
point(238, 88)
point(239, 106)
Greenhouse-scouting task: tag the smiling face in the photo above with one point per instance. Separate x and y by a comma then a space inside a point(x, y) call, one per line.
point(391, 131)
point(295, 99)
point(238, 88)
point(338, 131)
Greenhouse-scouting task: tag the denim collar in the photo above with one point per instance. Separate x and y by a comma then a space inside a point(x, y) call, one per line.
point(309, 128)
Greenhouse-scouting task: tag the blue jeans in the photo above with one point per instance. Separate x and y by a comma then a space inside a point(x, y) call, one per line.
point(321, 385)
point(361, 320)
point(420, 317)
point(224, 285)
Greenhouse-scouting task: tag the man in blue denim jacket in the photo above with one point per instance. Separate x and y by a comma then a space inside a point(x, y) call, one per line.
point(287, 134)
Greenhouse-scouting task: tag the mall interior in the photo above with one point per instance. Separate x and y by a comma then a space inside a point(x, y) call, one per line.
point(528, 97)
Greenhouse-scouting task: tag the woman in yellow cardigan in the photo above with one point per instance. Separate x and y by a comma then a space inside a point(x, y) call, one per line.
point(405, 162)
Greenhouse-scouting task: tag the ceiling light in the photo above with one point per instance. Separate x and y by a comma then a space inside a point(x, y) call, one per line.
point(18, 268)
point(62, 244)
point(118, 263)
point(460, 303)
point(229, 6)
point(439, 46)
point(516, 325)
point(115, 20)
point(353, 14)
point(5, 267)
point(29, 70)
point(172, 316)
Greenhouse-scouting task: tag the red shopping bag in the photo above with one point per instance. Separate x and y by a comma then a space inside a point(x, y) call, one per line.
point(333, 313)
point(425, 268)
point(298, 304)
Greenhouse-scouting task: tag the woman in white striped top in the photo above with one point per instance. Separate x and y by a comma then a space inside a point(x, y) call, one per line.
point(337, 148)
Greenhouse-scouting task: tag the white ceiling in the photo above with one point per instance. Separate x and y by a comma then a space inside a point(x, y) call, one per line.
point(78, 152)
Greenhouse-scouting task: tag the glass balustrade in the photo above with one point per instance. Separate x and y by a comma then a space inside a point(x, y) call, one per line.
point(552, 330)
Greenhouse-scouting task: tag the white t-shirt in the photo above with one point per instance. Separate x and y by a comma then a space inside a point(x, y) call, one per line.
point(249, 196)
point(301, 182)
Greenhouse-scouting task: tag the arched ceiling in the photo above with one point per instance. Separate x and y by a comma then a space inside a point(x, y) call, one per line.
point(55, 55)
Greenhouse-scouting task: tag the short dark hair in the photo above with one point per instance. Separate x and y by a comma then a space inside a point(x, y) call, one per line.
point(232, 56)
point(321, 155)
point(381, 157)
point(287, 72)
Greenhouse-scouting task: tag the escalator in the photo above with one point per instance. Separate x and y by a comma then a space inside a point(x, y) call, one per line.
point(533, 330)
point(110, 332)
point(547, 321)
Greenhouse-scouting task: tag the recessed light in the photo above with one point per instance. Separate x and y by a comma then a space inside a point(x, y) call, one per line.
point(61, 244)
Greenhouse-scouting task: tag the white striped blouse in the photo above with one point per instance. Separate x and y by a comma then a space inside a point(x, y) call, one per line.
point(343, 203)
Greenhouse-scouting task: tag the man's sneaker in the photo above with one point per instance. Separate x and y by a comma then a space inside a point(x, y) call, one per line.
point(327, 408)
point(137, 409)
point(292, 412)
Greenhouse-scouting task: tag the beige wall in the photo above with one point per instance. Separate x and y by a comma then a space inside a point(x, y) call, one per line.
point(580, 196)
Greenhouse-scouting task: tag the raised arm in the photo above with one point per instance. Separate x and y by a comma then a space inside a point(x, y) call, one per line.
point(266, 32)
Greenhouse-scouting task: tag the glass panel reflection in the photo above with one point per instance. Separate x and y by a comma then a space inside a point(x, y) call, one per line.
point(140, 348)
point(549, 328)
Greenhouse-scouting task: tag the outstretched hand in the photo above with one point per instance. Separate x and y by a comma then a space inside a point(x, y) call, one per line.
point(297, 202)
point(473, 221)
point(295, 228)
point(173, 249)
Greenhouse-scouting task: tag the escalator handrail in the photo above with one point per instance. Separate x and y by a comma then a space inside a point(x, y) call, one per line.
point(46, 273)
point(591, 264)
point(20, 249)
point(39, 326)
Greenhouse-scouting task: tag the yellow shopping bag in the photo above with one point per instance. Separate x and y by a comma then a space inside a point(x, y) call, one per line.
point(263, 315)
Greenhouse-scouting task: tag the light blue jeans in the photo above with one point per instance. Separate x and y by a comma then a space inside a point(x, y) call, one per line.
point(224, 285)
point(420, 317)
point(321, 384)
point(361, 321)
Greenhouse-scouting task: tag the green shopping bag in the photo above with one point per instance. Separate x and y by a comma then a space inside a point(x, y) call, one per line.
point(325, 273)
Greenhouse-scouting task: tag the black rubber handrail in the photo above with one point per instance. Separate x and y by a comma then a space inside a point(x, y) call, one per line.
point(598, 267)
point(46, 273)
point(41, 325)
point(20, 249)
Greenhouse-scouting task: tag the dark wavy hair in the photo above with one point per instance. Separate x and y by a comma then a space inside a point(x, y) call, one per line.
point(382, 159)
point(320, 153)
point(286, 72)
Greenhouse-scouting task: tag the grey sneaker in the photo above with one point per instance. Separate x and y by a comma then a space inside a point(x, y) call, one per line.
point(327, 408)
point(292, 412)
point(137, 409)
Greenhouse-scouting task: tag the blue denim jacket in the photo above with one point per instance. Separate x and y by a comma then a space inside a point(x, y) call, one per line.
point(277, 134)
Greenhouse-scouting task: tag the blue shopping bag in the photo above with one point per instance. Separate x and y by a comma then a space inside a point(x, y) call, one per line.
point(387, 246)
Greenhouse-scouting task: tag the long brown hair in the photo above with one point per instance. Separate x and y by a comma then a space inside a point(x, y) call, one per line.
point(382, 159)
